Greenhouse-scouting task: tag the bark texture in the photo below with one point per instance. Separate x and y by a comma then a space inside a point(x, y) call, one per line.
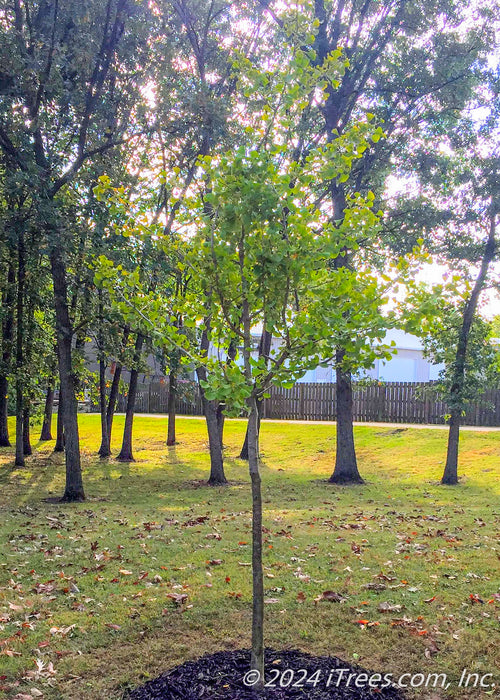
point(346, 467)
point(264, 350)
point(113, 398)
point(257, 655)
point(20, 342)
point(8, 302)
point(217, 476)
point(46, 432)
point(74, 484)
point(105, 448)
point(59, 446)
point(126, 454)
point(27, 449)
point(172, 406)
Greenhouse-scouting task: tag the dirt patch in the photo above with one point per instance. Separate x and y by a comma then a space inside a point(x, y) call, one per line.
point(289, 674)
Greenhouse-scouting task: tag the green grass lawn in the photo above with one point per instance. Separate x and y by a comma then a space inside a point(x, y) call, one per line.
point(88, 591)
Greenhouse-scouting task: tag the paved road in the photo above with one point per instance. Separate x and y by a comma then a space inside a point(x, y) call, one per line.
point(419, 426)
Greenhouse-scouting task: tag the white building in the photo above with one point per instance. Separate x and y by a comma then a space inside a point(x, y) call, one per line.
point(408, 363)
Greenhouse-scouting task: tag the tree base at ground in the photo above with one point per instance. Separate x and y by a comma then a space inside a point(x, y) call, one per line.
point(221, 675)
point(345, 479)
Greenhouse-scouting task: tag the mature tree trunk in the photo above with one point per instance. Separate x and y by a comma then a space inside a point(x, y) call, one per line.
point(26, 430)
point(105, 448)
point(217, 476)
point(8, 303)
point(221, 419)
point(346, 468)
point(450, 475)
point(46, 433)
point(59, 446)
point(257, 655)
point(74, 484)
point(264, 350)
point(126, 454)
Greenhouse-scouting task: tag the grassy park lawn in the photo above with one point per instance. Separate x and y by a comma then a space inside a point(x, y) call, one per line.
point(90, 593)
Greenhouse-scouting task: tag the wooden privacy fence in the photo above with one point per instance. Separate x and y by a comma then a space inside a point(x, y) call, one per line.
point(396, 402)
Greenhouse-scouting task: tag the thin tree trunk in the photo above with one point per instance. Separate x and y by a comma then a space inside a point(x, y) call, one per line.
point(115, 388)
point(74, 484)
point(346, 468)
point(20, 340)
point(26, 430)
point(8, 302)
point(19, 458)
point(105, 448)
point(113, 398)
point(264, 350)
point(126, 454)
point(59, 446)
point(450, 475)
point(257, 655)
point(46, 433)
point(172, 406)
point(4, 413)
point(221, 417)
point(244, 450)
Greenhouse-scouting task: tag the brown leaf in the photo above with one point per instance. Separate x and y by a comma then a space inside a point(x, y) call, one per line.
point(178, 598)
point(386, 607)
point(375, 586)
point(332, 597)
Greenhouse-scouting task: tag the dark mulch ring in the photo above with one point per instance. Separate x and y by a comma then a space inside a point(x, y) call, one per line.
point(289, 674)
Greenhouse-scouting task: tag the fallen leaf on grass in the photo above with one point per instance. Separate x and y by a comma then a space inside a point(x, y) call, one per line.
point(375, 587)
point(366, 623)
point(178, 598)
point(387, 607)
point(474, 598)
point(62, 631)
point(330, 596)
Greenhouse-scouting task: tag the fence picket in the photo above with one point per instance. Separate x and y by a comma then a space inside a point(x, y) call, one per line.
point(404, 402)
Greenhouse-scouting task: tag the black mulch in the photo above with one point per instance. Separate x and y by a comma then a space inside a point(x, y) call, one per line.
point(219, 676)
